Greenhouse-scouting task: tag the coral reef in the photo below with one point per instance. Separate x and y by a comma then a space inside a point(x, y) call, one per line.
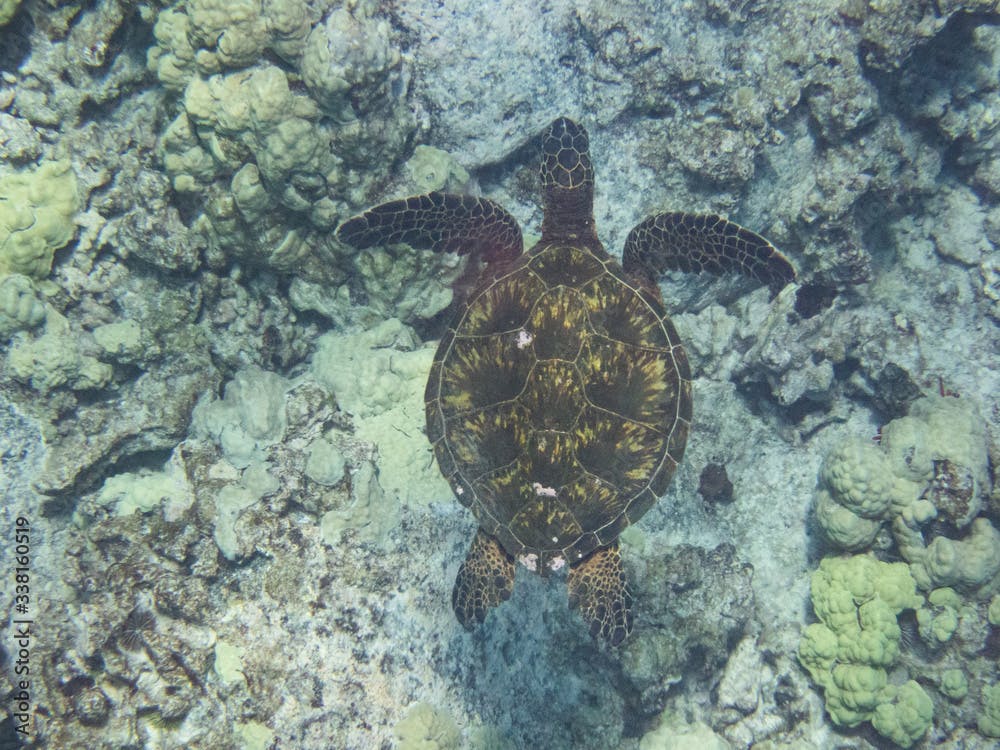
point(212, 411)
point(277, 167)
point(858, 600)
point(930, 466)
point(928, 476)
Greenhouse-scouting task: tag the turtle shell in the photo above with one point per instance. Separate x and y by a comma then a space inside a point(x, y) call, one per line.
point(559, 402)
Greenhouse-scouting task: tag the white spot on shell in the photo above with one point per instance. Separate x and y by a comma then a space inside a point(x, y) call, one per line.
point(557, 563)
point(529, 561)
point(523, 339)
point(543, 491)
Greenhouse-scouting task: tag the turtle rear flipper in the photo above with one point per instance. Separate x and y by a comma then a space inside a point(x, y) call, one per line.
point(702, 242)
point(485, 580)
point(597, 588)
point(442, 222)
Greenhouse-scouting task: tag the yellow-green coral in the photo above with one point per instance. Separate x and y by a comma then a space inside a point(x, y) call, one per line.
point(938, 620)
point(146, 490)
point(8, 9)
point(257, 109)
point(857, 491)
point(841, 526)
point(208, 36)
point(228, 665)
point(673, 734)
point(906, 716)
point(37, 207)
point(122, 340)
point(931, 464)
point(954, 685)
point(300, 134)
point(370, 513)
point(853, 692)
point(253, 735)
point(989, 718)
point(860, 477)
point(858, 600)
point(937, 428)
point(427, 728)
point(968, 564)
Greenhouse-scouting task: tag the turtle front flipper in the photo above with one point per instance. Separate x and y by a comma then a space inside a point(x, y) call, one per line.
point(597, 588)
point(442, 222)
point(702, 242)
point(485, 580)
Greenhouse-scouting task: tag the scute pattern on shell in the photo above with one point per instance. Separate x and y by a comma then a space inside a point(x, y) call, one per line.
point(559, 403)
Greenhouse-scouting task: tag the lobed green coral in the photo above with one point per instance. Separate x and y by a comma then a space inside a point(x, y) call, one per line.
point(433, 169)
point(954, 684)
point(370, 513)
point(325, 465)
point(228, 664)
point(994, 610)
point(379, 376)
point(932, 464)
point(37, 207)
point(146, 490)
point(672, 734)
point(124, 340)
point(249, 113)
point(253, 735)
point(857, 600)
point(231, 500)
point(938, 620)
point(971, 564)
point(860, 477)
point(906, 716)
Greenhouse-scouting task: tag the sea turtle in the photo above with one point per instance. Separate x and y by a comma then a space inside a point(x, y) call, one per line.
point(559, 400)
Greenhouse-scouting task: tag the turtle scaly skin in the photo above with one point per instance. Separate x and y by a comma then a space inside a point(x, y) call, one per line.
point(559, 400)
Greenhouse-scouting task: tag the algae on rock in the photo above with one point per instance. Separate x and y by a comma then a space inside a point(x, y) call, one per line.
point(57, 358)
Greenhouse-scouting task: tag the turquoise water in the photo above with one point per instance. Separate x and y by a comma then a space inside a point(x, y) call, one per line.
point(244, 457)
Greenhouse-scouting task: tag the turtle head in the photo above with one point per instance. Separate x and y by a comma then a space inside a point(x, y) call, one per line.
point(567, 182)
